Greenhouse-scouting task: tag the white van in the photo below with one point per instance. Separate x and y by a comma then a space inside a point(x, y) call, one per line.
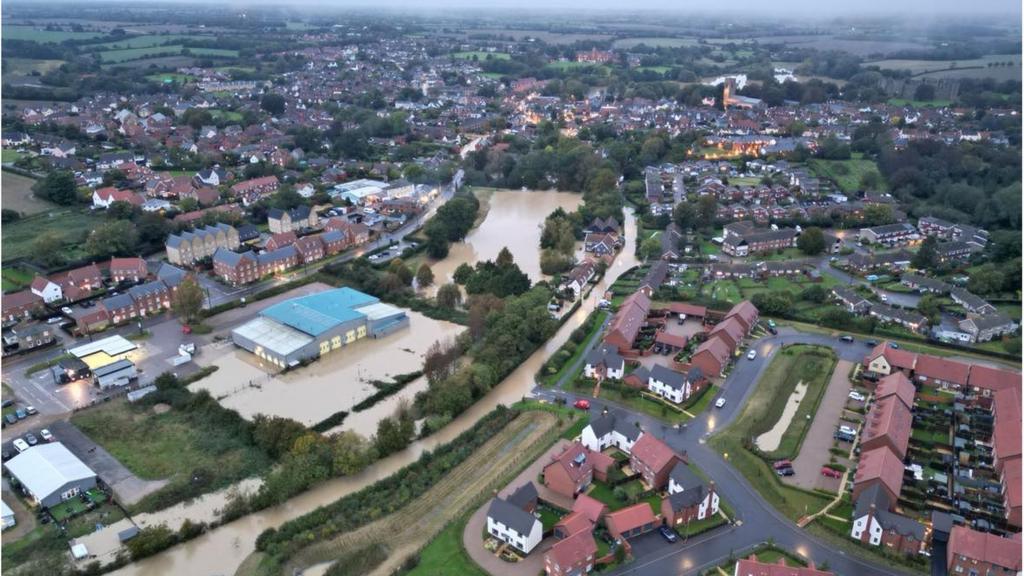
point(20, 445)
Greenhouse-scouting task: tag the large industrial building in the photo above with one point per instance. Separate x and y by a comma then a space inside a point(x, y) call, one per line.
point(310, 326)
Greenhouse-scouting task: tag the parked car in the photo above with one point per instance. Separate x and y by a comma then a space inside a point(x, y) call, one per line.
point(66, 310)
point(854, 395)
point(871, 343)
point(55, 320)
point(20, 413)
point(186, 329)
point(844, 437)
point(752, 354)
point(773, 330)
point(582, 404)
point(785, 472)
point(847, 430)
point(10, 419)
point(20, 445)
point(31, 439)
point(846, 338)
point(884, 297)
point(830, 473)
point(668, 534)
point(871, 278)
point(46, 435)
point(894, 345)
point(5, 455)
point(779, 464)
point(31, 410)
point(720, 403)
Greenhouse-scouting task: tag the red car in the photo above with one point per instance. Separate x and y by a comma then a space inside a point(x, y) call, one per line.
point(782, 464)
point(829, 472)
point(186, 329)
point(582, 404)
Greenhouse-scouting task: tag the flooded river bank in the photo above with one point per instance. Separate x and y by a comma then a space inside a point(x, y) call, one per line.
point(222, 550)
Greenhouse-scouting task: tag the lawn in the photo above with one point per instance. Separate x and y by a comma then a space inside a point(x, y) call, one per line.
point(759, 414)
point(604, 493)
point(174, 445)
point(481, 55)
point(229, 115)
point(445, 555)
point(16, 278)
point(808, 364)
point(934, 436)
point(920, 103)
point(655, 69)
point(847, 174)
point(725, 290)
point(632, 399)
point(10, 156)
point(171, 77)
point(70, 226)
point(45, 36)
point(549, 517)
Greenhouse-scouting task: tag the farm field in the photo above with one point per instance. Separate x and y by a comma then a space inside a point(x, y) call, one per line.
point(117, 56)
point(70, 226)
point(481, 55)
point(859, 47)
point(544, 35)
point(158, 61)
point(140, 41)
point(978, 67)
point(919, 103)
point(15, 66)
point(654, 42)
point(170, 77)
point(15, 32)
point(17, 193)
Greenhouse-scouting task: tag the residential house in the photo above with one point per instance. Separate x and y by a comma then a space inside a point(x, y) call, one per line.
point(953, 252)
point(875, 524)
point(292, 220)
point(20, 305)
point(711, 357)
point(884, 359)
point(731, 331)
point(600, 244)
point(120, 308)
point(514, 526)
point(626, 324)
point(571, 472)
point(931, 226)
point(971, 303)
point(754, 567)
point(310, 248)
point(236, 268)
point(851, 300)
point(252, 190)
point(104, 197)
point(971, 552)
point(86, 278)
point(976, 238)
point(334, 242)
point(688, 499)
point(151, 297)
point(746, 313)
point(893, 261)
point(939, 372)
point(989, 327)
point(280, 240)
point(189, 247)
point(278, 261)
point(882, 467)
point(211, 177)
point(611, 430)
point(524, 497)
point(924, 284)
point(654, 278)
point(888, 424)
point(759, 241)
point(603, 362)
point(910, 320)
point(653, 460)
point(128, 269)
point(46, 289)
point(573, 555)
point(899, 234)
point(577, 278)
point(674, 386)
point(631, 521)
point(29, 336)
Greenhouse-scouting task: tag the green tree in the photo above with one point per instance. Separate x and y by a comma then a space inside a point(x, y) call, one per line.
point(117, 238)
point(707, 210)
point(685, 215)
point(188, 300)
point(927, 256)
point(272, 103)
point(151, 540)
point(930, 306)
point(57, 187)
point(811, 241)
point(401, 270)
point(449, 296)
point(504, 258)
point(462, 273)
point(48, 250)
point(650, 248)
point(986, 279)
point(424, 276)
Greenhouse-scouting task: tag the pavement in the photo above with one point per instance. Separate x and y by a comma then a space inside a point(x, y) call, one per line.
point(756, 520)
point(814, 452)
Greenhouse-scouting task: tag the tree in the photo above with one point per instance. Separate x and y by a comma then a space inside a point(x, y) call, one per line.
point(462, 273)
point(930, 306)
point(650, 248)
point(986, 279)
point(924, 92)
point(117, 238)
point(449, 296)
point(685, 215)
point(395, 433)
point(707, 209)
point(188, 300)
point(927, 256)
point(811, 241)
point(504, 258)
point(151, 540)
point(48, 250)
point(424, 276)
point(57, 187)
point(272, 103)
point(400, 269)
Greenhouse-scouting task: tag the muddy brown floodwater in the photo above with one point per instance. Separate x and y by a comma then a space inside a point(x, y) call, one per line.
point(222, 550)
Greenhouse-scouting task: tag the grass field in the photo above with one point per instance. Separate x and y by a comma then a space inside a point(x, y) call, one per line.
point(229, 115)
point(654, 42)
point(171, 77)
point(572, 64)
point(811, 365)
point(70, 226)
point(979, 65)
point(445, 555)
point(140, 42)
point(27, 66)
point(45, 36)
point(847, 174)
point(759, 414)
point(10, 156)
point(920, 103)
point(655, 69)
point(481, 55)
point(17, 195)
point(118, 56)
point(15, 278)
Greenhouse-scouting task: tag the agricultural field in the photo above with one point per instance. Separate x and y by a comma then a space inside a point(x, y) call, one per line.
point(25, 66)
point(117, 56)
point(920, 103)
point(481, 55)
point(654, 42)
point(543, 35)
point(140, 42)
point(993, 65)
point(170, 77)
point(159, 62)
point(17, 192)
point(856, 46)
point(70, 226)
point(848, 174)
point(12, 32)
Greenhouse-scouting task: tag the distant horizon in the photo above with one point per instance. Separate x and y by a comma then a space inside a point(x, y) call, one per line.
point(796, 10)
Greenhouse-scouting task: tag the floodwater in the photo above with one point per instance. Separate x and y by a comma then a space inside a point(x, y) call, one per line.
point(335, 382)
point(515, 220)
point(222, 550)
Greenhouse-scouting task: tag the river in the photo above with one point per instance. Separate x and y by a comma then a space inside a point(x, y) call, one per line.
point(222, 550)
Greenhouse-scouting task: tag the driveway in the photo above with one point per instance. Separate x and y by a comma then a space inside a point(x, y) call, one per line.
point(534, 563)
point(814, 452)
point(128, 487)
point(25, 519)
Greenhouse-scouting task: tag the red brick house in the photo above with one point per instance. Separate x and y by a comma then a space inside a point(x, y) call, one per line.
point(310, 248)
point(572, 471)
point(236, 268)
point(754, 567)
point(746, 313)
point(151, 297)
point(1006, 449)
point(119, 308)
point(252, 190)
point(93, 321)
point(888, 424)
point(941, 372)
point(334, 241)
point(731, 330)
point(653, 460)
point(630, 317)
point(712, 356)
point(20, 305)
point(971, 552)
point(573, 555)
point(885, 360)
point(898, 385)
point(86, 278)
point(880, 466)
point(281, 240)
point(570, 524)
point(632, 521)
point(128, 269)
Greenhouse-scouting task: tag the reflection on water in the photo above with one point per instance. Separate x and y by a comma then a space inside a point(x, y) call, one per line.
point(223, 549)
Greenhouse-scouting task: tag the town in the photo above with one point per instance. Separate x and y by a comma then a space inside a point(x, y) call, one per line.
point(333, 291)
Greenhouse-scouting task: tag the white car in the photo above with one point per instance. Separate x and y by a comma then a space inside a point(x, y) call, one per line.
point(854, 395)
point(720, 403)
point(20, 445)
point(752, 354)
point(46, 435)
point(66, 310)
point(847, 430)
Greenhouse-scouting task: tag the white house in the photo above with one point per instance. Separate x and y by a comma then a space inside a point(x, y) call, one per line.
point(604, 362)
point(47, 290)
point(692, 492)
point(610, 429)
point(669, 384)
point(513, 525)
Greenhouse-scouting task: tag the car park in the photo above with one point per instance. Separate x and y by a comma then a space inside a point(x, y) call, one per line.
point(20, 445)
point(752, 354)
point(31, 439)
point(668, 534)
point(720, 403)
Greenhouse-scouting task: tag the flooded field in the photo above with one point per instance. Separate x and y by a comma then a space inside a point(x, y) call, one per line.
point(333, 383)
point(222, 550)
point(514, 221)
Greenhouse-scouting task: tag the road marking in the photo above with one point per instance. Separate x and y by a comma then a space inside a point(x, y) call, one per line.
point(53, 396)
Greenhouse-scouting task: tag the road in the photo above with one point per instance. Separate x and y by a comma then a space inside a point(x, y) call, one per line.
point(757, 521)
